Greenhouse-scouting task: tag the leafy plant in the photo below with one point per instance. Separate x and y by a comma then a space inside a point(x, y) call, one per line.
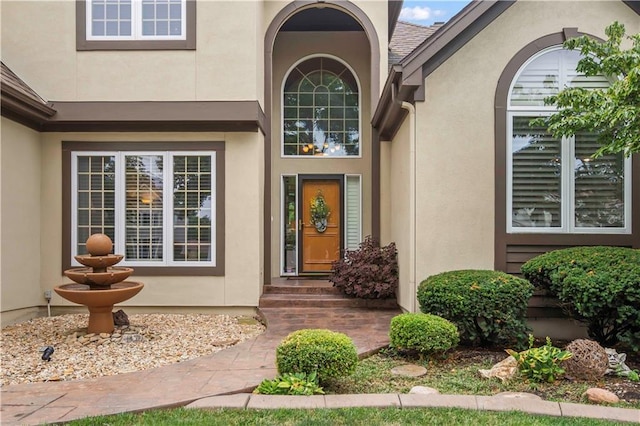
point(487, 307)
point(369, 272)
point(423, 333)
point(540, 364)
point(326, 353)
point(291, 384)
point(599, 286)
point(611, 112)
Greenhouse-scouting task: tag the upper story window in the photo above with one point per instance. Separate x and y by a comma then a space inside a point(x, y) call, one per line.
point(321, 110)
point(553, 185)
point(135, 24)
point(136, 19)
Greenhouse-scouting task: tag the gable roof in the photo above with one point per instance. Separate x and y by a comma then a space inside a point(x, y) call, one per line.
point(405, 82)
point(407, 37)
point(20, 102)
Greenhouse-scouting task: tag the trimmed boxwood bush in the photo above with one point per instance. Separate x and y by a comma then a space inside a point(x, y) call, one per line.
point(424, 333)
point(599, 286)
point(327, 353)
point(369, 272)
point(488, 307)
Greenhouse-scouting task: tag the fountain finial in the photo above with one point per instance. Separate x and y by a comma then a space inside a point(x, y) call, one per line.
point(99, 245)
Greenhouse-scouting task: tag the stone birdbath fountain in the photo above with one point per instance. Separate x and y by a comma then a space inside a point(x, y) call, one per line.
point(99, 285)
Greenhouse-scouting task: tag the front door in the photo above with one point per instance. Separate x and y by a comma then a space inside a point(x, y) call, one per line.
point(320, 226)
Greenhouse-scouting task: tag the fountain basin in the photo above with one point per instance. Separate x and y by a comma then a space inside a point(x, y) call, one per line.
point(99, 261)
point(99, 279)
point(99, 302)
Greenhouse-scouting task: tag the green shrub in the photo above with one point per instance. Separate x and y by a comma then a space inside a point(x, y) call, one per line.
point(425, 333)
point(599, 286)
point(488, 307)
point(369, 272)
point(290, 384)
point(327, 353)
point(541, 364)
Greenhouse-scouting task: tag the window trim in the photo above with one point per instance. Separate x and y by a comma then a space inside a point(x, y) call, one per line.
point(511, 250)
point(83, 43)
point(567, 183)
point(136, 25)
point(281, 94)
point(190, 147)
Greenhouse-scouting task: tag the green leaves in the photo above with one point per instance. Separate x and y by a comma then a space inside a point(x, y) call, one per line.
point(323, 352)
point(599, 286)
point(424, 333)
point(540, 364)
point(487, 307)
point(613, 113)
point(291, 384)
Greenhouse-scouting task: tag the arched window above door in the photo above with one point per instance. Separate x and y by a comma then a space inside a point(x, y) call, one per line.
point(321, 110)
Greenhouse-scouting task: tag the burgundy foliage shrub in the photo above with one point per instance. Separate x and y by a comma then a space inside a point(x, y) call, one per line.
point(369, 272)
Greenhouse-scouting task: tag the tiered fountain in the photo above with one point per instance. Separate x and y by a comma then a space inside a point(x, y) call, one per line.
point(99, 285)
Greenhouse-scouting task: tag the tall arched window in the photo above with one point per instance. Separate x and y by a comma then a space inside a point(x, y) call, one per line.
point(553, 185)
point(321, 110)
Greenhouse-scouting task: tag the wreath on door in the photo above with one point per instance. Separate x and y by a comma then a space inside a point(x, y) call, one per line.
point(320, 212)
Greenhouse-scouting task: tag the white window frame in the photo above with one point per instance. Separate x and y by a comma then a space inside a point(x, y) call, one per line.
point(567, 184)
point(284, 80)
point(136, 25)
point(283, 260)
point(346, 212)
point(167, 206)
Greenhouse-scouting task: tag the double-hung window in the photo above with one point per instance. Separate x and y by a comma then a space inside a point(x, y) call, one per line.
point(158, 207)
point(554, 185)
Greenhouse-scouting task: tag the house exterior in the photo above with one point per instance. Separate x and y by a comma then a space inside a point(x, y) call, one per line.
point(199, 134)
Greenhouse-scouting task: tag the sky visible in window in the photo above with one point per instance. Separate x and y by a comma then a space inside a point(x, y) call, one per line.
point(428, 12)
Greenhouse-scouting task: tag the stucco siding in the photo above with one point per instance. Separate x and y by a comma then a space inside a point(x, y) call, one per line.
point(399, 200)
point(20, 222)
point(456, 200)
point(39, 44)
point(243, 212)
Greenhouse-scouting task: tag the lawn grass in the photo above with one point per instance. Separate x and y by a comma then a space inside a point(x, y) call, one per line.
point(336, 417)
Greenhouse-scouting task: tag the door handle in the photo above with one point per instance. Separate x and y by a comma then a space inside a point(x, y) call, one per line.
point(300, 225)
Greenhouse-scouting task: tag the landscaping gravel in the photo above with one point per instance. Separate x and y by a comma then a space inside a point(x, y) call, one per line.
point(150, 341)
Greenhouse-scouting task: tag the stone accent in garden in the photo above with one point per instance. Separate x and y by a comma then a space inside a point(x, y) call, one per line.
point(409, 370)
point(504, 370)
point(601, 396)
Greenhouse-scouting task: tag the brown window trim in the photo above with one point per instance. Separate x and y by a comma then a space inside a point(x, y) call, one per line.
point(218, 147)
point(528, 244)
point(83, 44)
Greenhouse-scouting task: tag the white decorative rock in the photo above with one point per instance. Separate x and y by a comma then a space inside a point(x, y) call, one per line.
point(601, 396)
point(423, 390)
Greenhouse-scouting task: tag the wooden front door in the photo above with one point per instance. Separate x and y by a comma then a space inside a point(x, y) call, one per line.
point(320, 235)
